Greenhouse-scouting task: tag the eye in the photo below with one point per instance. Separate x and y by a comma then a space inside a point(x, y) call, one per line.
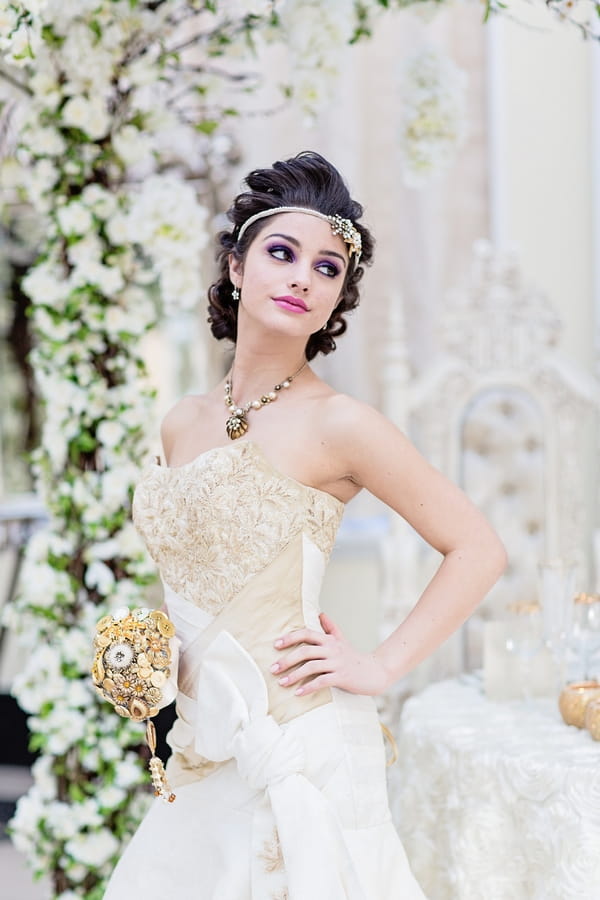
point(327, 268)
point(281, 252)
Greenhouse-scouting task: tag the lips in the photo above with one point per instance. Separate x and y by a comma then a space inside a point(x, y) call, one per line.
point(293, 303)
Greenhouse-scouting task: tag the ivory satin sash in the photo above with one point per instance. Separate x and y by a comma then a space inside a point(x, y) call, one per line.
point(223, 716)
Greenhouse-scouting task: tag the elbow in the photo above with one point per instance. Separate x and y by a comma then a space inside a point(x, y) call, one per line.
point(498, 557)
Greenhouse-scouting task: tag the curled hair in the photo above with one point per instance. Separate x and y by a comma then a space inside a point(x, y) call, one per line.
point(307, 180)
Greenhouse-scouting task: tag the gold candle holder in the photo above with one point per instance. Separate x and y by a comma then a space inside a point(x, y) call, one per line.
point(583, 599)
point(592, 718)
point(574, 699)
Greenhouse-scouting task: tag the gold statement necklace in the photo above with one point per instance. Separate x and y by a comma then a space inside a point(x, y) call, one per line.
point(237, 423)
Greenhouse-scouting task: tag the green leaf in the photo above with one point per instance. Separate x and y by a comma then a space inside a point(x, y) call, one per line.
point(86, 442)
point(96, 28)
point(208, 126)
point(37, 741)
point(75, 793)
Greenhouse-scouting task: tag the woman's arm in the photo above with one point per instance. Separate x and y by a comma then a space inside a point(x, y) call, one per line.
point(378, 457)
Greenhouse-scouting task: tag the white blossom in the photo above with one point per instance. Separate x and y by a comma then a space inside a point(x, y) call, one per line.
point(88, 114)
point(64, 727)
point(93, 849)
point(61, 821)
point(45, 585)
point(316, 33)
point(116, 485)
point(45, 141)
point(132, 145)
point(85, 252)
point(99, 576)
point(45, 284)
point(8, 20)
point(76, 648)
point(44, 83)
point(25, 823)
point(107, 279)
point(102, 202)
point(128, 772)
point(45, 779)
point(110, 433)
point(128, 541)
point(110, 796)
point(110, 751)
point(74, 218)
point(434, 115)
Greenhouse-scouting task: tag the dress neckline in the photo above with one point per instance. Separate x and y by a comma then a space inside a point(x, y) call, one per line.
point(258, 450)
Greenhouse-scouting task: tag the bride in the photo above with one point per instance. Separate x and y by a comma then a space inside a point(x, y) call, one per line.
point(278, 761)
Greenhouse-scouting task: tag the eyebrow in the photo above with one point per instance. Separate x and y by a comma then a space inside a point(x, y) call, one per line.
point(297, 243)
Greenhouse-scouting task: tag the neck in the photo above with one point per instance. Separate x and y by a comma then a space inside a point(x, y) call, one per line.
point(251, 382)
point(259, 364)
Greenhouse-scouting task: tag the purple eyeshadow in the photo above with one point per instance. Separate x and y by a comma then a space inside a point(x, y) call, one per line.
point(271, 247)
point(327, 262)
point(324, 262)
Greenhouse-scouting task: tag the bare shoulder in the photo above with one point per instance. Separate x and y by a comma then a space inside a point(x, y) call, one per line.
point(347, 413)
point(353, 428)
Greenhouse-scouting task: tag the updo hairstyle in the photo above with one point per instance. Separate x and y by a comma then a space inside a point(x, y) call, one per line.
point(307, 180)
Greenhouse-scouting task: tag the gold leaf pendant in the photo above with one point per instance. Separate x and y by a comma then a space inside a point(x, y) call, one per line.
point(236, 425)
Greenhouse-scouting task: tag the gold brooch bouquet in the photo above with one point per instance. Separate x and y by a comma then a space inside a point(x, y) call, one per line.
point(135, 669)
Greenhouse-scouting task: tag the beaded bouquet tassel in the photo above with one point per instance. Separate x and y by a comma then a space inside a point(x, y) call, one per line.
point(157, 770)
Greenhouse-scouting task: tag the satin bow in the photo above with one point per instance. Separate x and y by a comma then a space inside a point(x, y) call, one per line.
point(232, 721)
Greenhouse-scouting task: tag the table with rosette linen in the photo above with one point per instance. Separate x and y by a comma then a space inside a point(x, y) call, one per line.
point(496, 800)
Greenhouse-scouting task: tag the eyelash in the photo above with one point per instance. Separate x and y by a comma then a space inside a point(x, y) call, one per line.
point(334, 271)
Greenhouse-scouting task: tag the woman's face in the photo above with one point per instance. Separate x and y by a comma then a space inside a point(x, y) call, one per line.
point(292, 275)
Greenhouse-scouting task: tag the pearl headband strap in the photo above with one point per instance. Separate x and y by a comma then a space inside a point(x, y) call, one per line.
point(344, 227)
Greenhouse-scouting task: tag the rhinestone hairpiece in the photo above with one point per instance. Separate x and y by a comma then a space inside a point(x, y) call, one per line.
point(344, 227)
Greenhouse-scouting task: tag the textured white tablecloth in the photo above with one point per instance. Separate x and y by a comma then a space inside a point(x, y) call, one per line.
point(496, 801)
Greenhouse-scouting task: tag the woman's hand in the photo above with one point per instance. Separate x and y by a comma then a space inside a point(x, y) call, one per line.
point(327, 660)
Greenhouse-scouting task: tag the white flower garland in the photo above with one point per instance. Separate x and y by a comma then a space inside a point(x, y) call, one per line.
point(434, 115)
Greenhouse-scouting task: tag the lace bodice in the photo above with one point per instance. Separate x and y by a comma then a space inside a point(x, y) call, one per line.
point(215, 522)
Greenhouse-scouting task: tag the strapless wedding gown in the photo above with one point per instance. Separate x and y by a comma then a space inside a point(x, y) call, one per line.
point(279, 797)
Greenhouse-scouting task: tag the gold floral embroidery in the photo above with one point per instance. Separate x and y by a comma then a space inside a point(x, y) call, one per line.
point(272, 855)
point(213, 524)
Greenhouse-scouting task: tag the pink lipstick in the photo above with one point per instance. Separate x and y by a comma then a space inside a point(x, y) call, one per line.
point(293, 304)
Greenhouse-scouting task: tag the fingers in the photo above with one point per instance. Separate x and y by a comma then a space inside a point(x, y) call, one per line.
point(329, 626)
point(299, 636)
point(310, 658)
point(300, 655)
point(317, 684)
point(313, 667)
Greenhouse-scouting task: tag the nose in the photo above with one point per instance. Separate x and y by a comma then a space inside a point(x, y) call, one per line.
point(296, 285)
point(300, 278)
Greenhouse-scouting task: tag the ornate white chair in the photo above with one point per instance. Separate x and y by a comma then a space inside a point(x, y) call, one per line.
point(513, 423)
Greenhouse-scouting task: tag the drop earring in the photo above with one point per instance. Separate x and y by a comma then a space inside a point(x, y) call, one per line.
point(235, 294)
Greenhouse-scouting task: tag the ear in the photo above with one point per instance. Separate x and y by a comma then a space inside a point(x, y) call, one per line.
point(236, 270)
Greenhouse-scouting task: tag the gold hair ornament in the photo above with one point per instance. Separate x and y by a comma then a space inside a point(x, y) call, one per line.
point(131, 666)
point(344, 227)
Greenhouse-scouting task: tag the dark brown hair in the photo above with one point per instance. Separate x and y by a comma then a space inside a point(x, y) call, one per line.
point(307, 180)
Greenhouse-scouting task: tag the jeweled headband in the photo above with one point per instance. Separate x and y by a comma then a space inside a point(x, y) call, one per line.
point(344, 227)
